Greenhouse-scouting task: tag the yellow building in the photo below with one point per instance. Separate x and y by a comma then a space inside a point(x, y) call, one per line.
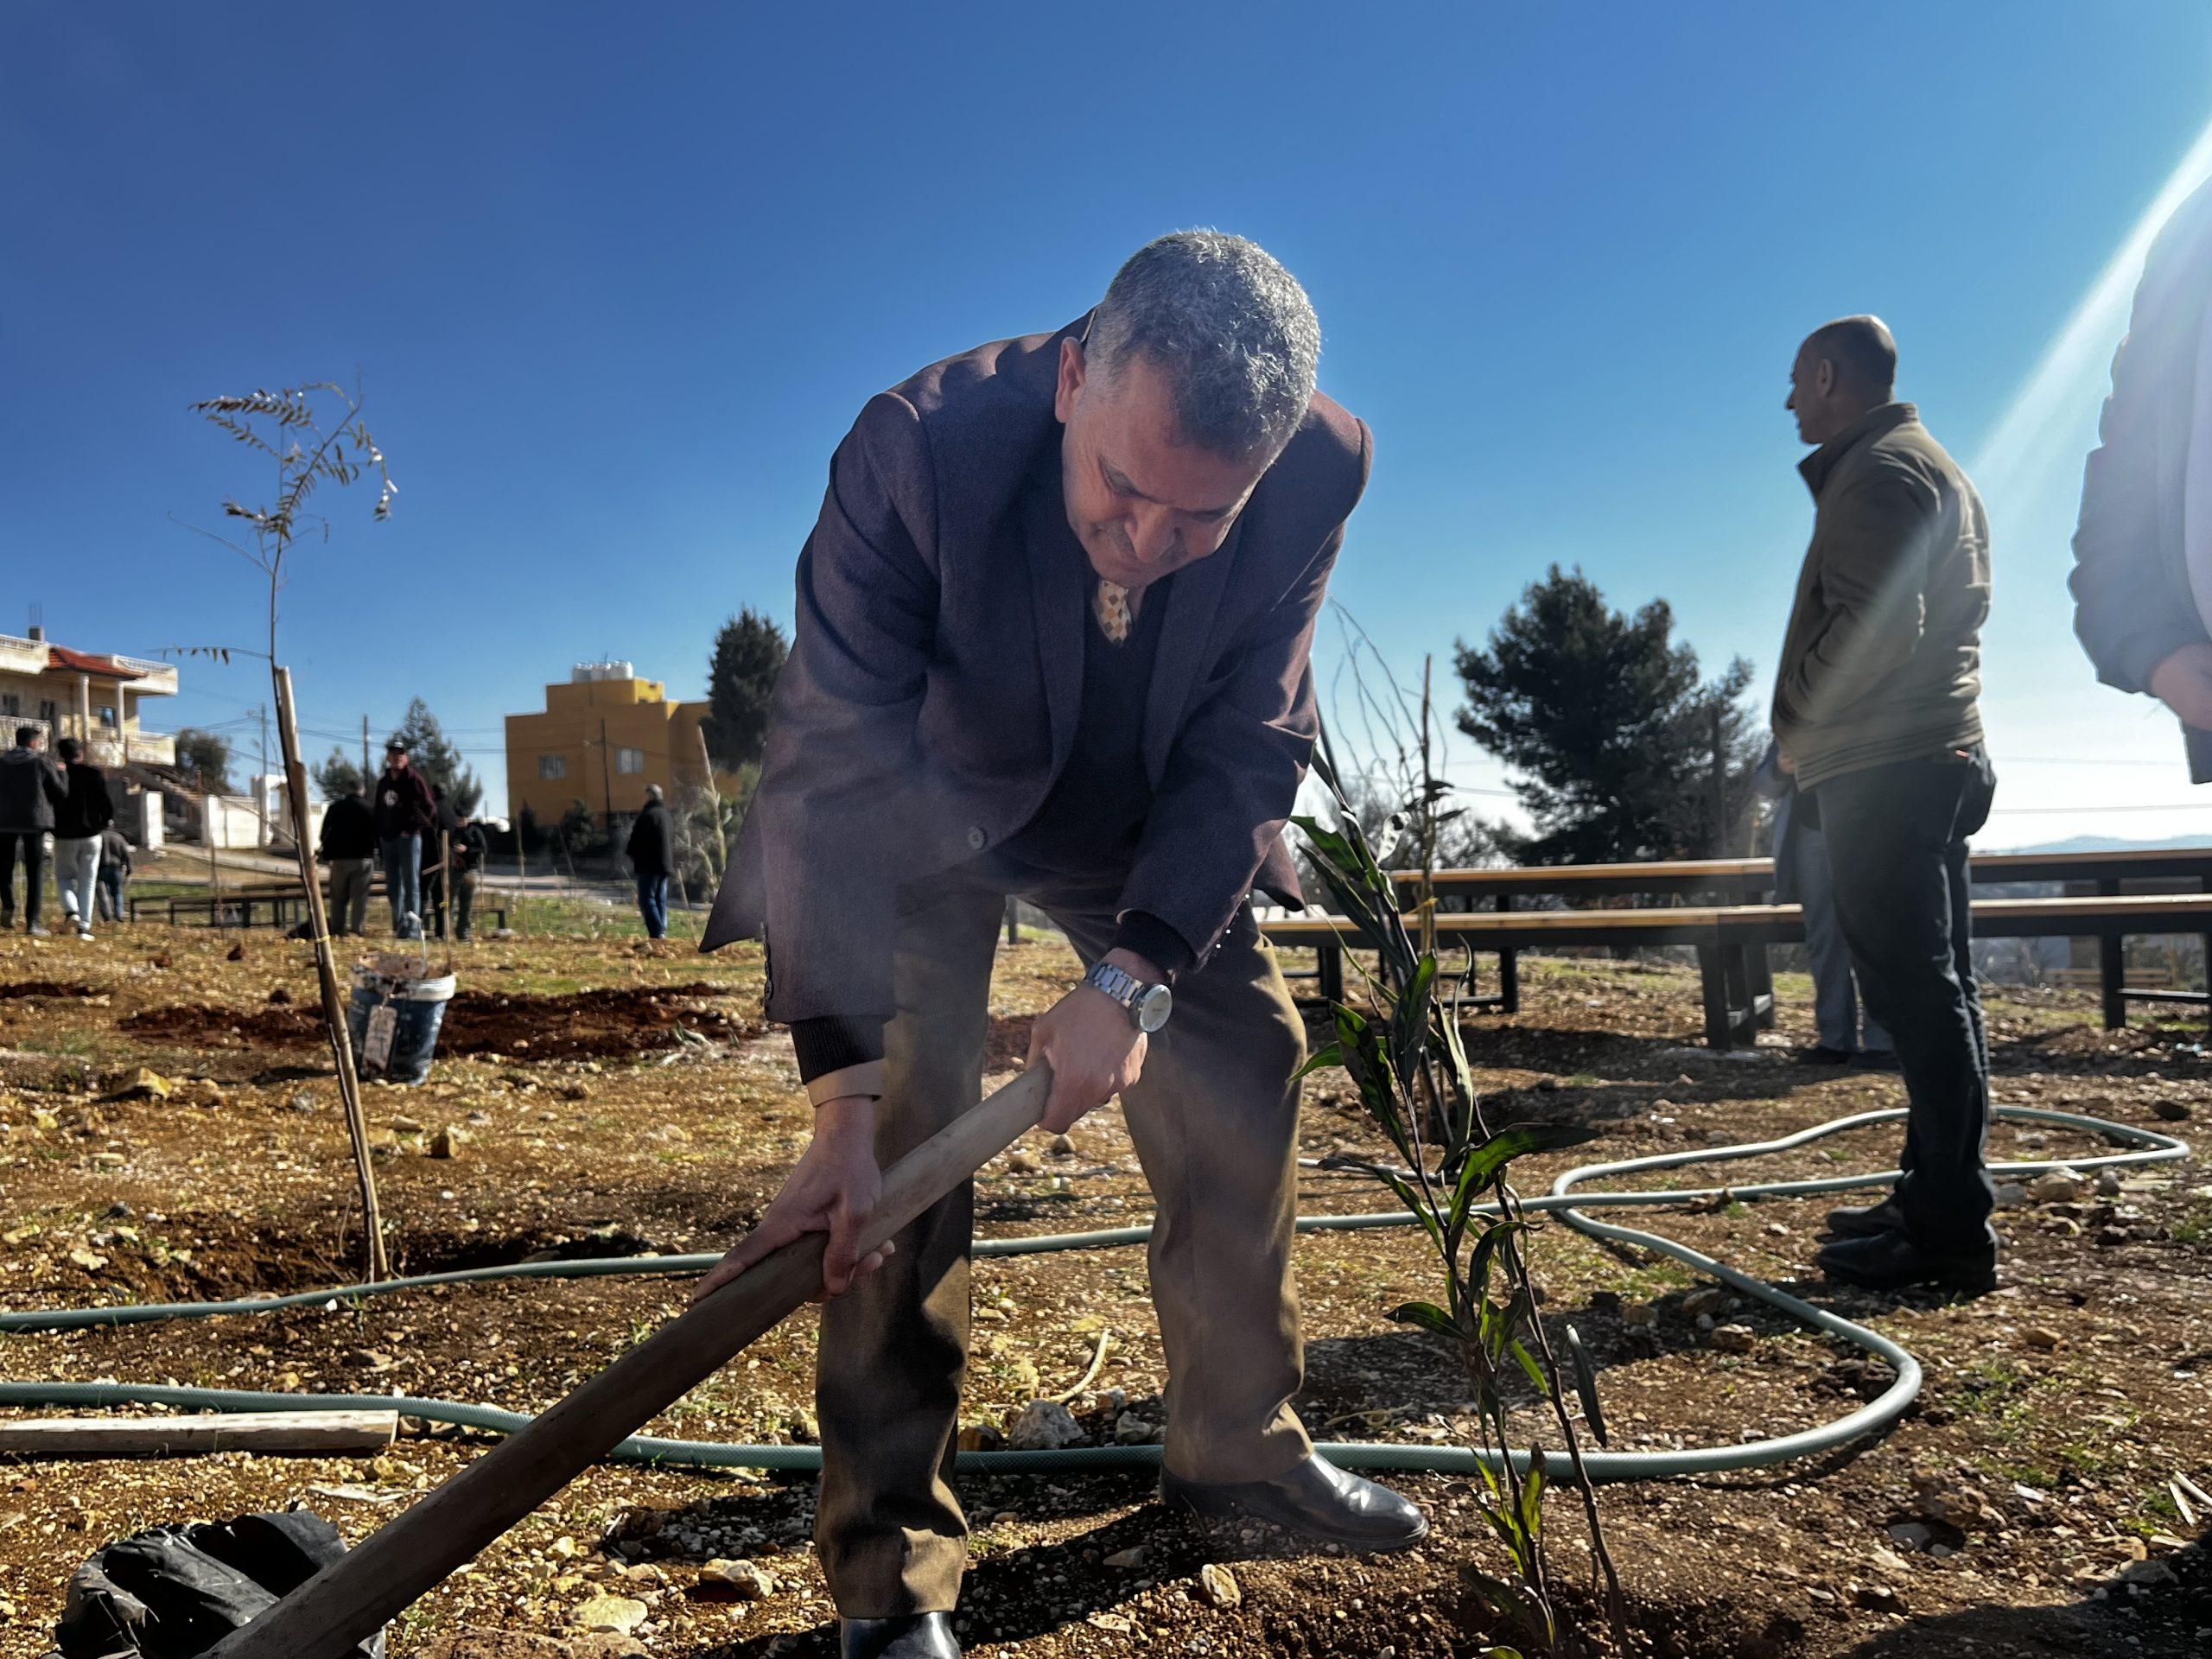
point(92, 696)
point(604, 736)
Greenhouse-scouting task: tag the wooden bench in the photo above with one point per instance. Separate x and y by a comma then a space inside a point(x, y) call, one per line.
point(285, 901)
point(1731, 940)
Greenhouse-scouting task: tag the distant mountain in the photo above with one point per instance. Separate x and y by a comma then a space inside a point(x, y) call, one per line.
point(2099, 844)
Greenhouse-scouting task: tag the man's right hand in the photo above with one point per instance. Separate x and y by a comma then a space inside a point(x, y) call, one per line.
point(2184, 683)
point(833, 1188)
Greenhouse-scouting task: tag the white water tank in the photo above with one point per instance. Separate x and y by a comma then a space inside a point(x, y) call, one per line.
point(586, 673)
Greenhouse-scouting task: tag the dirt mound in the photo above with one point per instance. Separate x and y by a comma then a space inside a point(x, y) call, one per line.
point(49, 987)
point(583, 1025)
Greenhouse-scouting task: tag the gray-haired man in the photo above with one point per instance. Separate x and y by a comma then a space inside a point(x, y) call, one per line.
point(1052, 637)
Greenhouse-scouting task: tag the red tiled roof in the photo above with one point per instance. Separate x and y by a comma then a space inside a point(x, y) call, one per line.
point(85, 663)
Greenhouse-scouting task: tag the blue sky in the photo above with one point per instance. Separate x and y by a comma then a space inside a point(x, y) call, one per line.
point(616, 281)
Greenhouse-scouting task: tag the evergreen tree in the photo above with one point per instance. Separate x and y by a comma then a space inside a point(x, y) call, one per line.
point(438, 761)
point(749, 652)
point(1611, 725)
point(207, 756)
point(338, 776)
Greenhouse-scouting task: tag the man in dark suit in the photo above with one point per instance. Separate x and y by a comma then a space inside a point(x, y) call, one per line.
point(1052, 636)
point(2143, 553)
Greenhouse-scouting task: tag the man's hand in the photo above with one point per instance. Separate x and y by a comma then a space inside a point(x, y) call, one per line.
point(2184, 683)
point(833, 1188)
point(1092, 1047)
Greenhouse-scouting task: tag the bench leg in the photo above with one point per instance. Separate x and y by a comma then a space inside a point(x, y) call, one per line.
point(2111, 970)
point(1712, 976)
point(1762, 984)
point(1509, 969)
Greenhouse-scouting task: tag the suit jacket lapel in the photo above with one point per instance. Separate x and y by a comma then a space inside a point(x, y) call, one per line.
point(1057, 570)
point(1194, 600)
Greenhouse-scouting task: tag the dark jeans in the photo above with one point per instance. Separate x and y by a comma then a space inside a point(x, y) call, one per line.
point(33, 845)
point(403, 884)
point(1897, 842)
point(652, 905)
point(110, 893)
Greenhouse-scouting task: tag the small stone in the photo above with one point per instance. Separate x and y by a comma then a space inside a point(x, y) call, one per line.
point(1044, 1426)
point(2010, 1195)
point(88, 1261)
point(280, 998)
point(302, 1101)
point(1063, 1146)
point(1735, 1338)
point(2042, 1337)
point(405, 1126)
point(2148, 1572)
point(1880, 1598)
point(615, 1615)
point(981, 1437)
point(368, 1359)
point(1130, 1429)
point(1912, 1535)
point(1126, 1560)
point(1218, 1587)
point(447, 1142)
point(1639, 1313)
point(236, 953)
point(2170, 1110)
point(2060, 1185)
point(750, 1583)
point(1024, 1160)
point(145, 1084)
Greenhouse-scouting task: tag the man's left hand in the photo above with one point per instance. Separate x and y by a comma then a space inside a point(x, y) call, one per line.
point(1095, 1050)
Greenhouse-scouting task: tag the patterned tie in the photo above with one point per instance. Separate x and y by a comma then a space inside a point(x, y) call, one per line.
point(1110, 603)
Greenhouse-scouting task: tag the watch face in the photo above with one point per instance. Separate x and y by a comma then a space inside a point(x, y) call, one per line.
point(1153, 1008)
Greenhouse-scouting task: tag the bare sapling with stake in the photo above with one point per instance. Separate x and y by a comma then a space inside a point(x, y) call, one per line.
point(1400, 1046)
point(312, 434)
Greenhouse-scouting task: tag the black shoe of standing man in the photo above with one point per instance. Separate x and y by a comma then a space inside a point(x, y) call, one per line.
point(1866, 1220)
point(1822, 1054)
point(1892, 1262)
point(913, 1636)
point(1315, 1500)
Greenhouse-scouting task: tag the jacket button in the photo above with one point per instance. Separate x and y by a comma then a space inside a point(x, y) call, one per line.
point(976, 839)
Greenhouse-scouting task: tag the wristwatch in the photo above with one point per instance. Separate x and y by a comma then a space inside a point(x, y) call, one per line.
point(1148, 1006)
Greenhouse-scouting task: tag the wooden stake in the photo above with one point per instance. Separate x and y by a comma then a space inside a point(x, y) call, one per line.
point(321, 1433)
point(362, 1591)
point(326, 967)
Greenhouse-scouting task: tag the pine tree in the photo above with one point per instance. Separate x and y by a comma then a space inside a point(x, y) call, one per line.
point(1609, 723)
point(749, 652)
point(338, 776)
point(436, 758)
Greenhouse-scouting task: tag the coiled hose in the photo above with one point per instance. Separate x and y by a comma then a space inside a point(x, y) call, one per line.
point(1564, 1200)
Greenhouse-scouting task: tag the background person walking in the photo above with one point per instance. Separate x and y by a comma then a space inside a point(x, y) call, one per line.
point(115, 873)
point(348, 844)
point(30, 790)
point(651, 853)
point(405, 813)
point(84, 813)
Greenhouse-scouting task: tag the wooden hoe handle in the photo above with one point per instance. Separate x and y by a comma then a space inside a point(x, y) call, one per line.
point(364, 1590)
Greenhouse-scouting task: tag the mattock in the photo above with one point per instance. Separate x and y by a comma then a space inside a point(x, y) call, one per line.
point(393, 1567)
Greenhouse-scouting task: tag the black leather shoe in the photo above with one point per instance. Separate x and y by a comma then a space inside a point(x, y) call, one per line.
point(1822, 1054)
point(1892, 1262)
point(912, 1635)
point(1877, 1059)
point(1315, 1499)
point(1867, 1220)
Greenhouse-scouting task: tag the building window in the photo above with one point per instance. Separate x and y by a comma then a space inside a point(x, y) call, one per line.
point(11, 705)
point(552, 765)
point(48, 710)
point(107, 719)
point(629, 760)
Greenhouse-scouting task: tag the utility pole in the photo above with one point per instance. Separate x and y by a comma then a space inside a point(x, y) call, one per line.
point(368, 777)
point(261, 780)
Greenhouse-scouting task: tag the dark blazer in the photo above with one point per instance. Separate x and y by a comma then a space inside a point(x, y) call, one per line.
point(2132, 603)
point(651, 847)
point(932, 691)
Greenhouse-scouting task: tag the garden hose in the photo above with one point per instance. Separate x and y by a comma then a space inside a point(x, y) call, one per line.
point(1564, 1200)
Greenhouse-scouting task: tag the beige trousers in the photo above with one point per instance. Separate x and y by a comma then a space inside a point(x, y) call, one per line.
point(1215, 1120)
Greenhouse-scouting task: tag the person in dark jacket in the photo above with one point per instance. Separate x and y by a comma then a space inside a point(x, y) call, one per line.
point(2142, 579)
point(348, 844)
point(1054, 638)
point(1876, 714)
point(405, 813)
point(31, 790)
point(77, 825)
point(651, 853)
point(115, 873)
point(469, 849)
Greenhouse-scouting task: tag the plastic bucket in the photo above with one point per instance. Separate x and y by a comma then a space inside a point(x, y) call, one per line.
point(394, 1018)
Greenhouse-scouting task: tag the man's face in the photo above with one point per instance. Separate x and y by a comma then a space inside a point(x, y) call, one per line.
point(1812, 389)
point(396, 759)
point(1142, 504)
